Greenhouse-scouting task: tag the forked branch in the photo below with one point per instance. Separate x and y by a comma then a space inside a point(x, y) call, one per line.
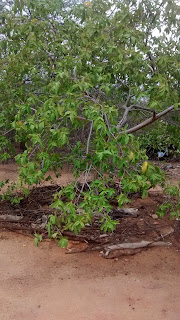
point(150, 120)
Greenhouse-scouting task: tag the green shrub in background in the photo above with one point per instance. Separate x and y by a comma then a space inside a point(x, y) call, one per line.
point(159, 137)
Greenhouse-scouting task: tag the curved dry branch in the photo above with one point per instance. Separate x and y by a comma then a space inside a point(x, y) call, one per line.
point(149, 120)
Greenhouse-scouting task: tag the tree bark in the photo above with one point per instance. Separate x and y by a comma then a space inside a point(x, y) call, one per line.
point(149, 120)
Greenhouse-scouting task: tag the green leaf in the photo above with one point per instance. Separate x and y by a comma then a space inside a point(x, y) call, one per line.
point(63, 242)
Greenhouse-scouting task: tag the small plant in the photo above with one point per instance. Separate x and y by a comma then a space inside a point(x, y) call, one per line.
point(13, 193)
point(74, 208)
point(37, 238)
point(54, 231)
point(172, 205)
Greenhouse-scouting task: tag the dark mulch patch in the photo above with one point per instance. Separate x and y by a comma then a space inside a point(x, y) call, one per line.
point(34, 211)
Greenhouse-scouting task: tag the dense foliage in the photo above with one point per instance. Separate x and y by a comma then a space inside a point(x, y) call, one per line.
point(160, 137)
point(70, 75)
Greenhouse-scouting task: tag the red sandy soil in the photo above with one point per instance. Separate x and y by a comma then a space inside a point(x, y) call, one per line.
point(46, 284)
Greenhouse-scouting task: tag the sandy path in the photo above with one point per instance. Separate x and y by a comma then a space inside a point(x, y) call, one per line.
point(46, 284)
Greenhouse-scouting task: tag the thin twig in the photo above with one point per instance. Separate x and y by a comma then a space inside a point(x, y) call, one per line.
point(89, 137)
point(3, 134)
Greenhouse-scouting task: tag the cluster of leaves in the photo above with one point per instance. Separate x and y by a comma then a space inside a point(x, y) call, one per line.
point(68, 73)
point(76, 207)
point(172, 205)
point(51, 56)
point(11, 190)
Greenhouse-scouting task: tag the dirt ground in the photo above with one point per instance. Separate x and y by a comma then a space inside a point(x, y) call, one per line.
point(45, 283)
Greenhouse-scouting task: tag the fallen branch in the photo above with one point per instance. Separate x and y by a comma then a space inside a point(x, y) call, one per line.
point(116, 213)
point(123, 212)
point(113, 251)
point(133, 245)
point(10, 217)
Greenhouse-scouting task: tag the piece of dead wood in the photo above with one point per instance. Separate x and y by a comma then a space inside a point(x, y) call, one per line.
point(111, 251)
point(41, 226)
point(127, 248)
point(118, 213)
point(10, 217)
point(116, 250)
point(125, 212)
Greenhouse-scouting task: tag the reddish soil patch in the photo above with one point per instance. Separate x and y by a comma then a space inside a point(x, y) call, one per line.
point(46, 284)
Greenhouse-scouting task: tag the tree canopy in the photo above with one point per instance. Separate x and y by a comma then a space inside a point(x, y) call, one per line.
point(70, 75)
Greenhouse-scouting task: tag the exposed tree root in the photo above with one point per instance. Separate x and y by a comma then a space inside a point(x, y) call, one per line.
point(113, 251)
point(110, 251)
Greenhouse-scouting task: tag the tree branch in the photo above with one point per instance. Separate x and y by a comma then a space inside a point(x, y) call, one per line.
point(124, 118)
point(127, 109)
point(150, 120)
point(141, 108)
point(89, 137)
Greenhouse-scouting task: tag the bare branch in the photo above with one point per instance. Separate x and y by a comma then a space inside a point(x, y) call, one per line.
point(141, 108)
point(4, 133)
point(128, 99)
point(124, 118)
point(150, 120)
point(127, 109)
point(89, 138)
